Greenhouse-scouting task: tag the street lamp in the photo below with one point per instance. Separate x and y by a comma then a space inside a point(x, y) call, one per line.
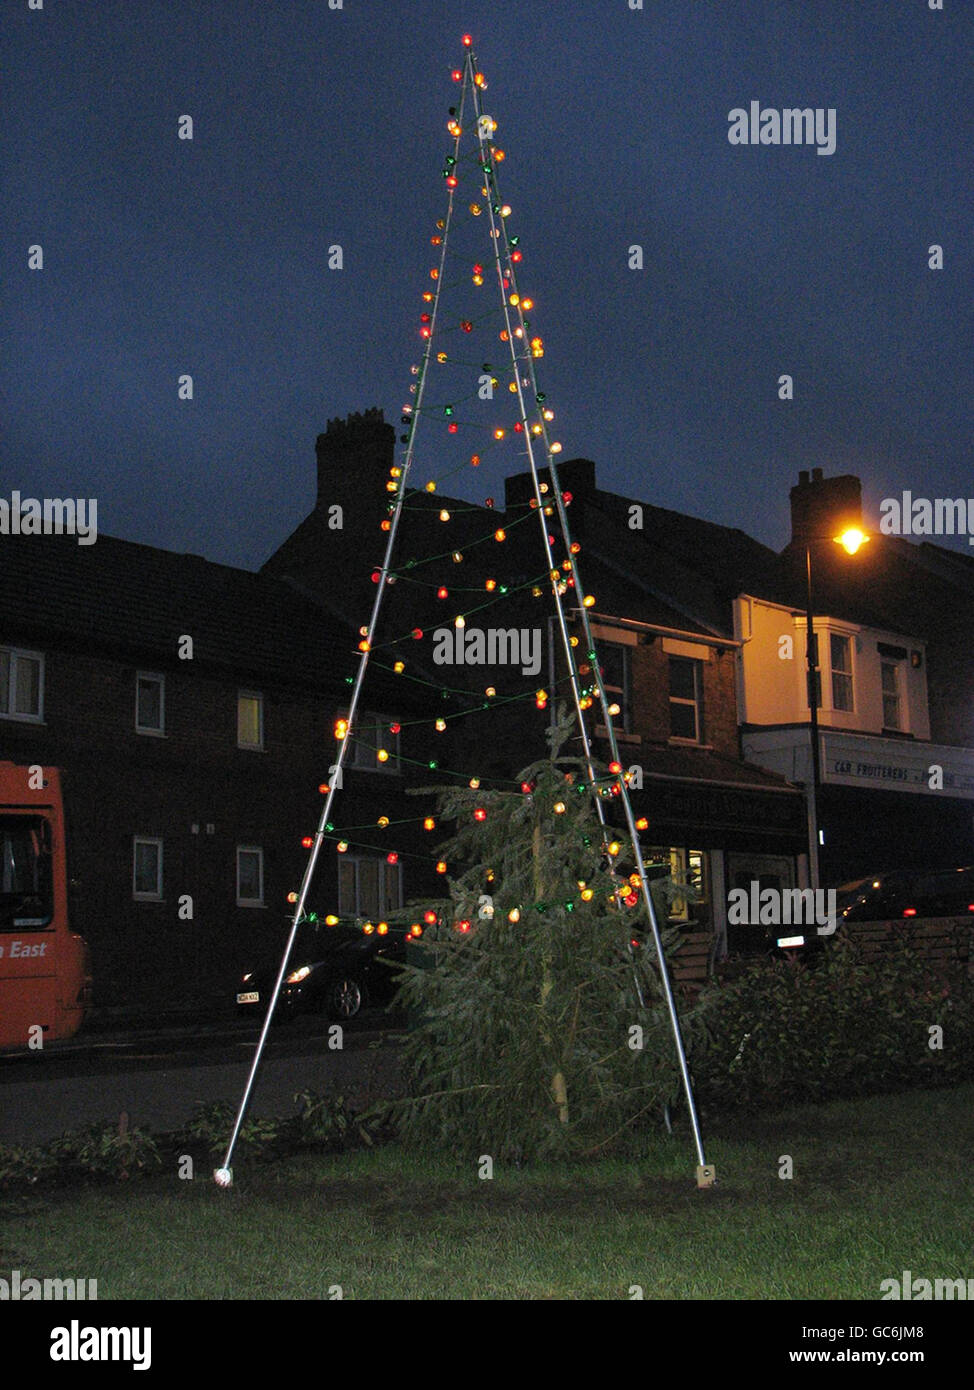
point(851, 540)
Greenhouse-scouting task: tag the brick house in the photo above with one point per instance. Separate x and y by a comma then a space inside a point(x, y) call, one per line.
point(191, 707)
point(663, 624)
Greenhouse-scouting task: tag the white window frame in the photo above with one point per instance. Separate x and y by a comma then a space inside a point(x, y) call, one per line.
point(899, 727)
point(160, 732)
point(20, 654)
point(619, 695)
point(355, 861)
point(696, 703)
point(258, 901)
point(257, 695)
point(849, 675)
point(155, 897)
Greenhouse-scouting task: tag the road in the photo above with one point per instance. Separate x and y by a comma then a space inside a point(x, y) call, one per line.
point(158, 1076)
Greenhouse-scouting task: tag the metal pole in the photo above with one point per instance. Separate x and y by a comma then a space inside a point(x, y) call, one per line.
point(705, 1172)
point(224, 1174)
point(811, 675)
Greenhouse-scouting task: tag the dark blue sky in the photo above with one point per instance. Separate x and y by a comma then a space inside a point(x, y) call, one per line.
point(316, 126)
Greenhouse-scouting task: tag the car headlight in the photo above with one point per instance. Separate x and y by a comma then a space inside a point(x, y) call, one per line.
point(296, 976)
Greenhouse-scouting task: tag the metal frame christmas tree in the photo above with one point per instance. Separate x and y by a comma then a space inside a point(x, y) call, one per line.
point(532, 430)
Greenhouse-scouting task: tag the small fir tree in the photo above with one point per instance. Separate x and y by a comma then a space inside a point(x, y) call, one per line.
point(528, 1037)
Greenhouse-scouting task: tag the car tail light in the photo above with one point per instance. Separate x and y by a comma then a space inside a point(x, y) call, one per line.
point(909, 912)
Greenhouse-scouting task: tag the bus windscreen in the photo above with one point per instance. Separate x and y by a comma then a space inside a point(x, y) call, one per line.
point(26, 890)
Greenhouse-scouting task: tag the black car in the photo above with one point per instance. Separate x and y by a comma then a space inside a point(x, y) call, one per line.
point(336, 970)
point(903, 894)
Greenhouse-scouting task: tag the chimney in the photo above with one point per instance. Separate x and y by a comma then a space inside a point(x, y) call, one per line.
point(822, 507)
point(354, 457)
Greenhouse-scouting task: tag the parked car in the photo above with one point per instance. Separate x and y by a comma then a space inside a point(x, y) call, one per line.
point(337, 970)
point(904, 894)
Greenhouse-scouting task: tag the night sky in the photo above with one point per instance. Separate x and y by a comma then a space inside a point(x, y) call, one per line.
point(316, 126)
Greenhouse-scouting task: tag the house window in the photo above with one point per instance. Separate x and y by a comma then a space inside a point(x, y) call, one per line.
point(841, 655)
point(146, 869)
point(615, 663)
point(372, 734)
point(686, 699)
point(250, 719)
point(368, 886)
point(21, 685)
point(892, 716)
point(678, 882)
point(150, 703)
point(250, 876)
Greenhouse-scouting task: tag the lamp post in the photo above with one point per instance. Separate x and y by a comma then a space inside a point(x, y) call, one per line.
point(850, 539)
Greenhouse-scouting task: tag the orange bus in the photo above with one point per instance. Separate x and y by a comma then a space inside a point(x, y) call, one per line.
point(45, 971)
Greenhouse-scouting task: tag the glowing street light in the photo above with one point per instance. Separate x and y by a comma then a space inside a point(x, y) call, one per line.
point(851, 539)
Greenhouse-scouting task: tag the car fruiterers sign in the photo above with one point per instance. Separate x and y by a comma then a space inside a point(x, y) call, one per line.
point(889, 765)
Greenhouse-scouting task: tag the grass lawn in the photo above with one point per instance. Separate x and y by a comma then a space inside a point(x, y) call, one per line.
point(879, 1186)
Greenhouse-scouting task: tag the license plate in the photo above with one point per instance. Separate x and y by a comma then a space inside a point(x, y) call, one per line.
point(251, 997)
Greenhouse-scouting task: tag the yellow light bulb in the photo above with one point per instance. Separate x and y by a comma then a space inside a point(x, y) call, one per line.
point(851, 539)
